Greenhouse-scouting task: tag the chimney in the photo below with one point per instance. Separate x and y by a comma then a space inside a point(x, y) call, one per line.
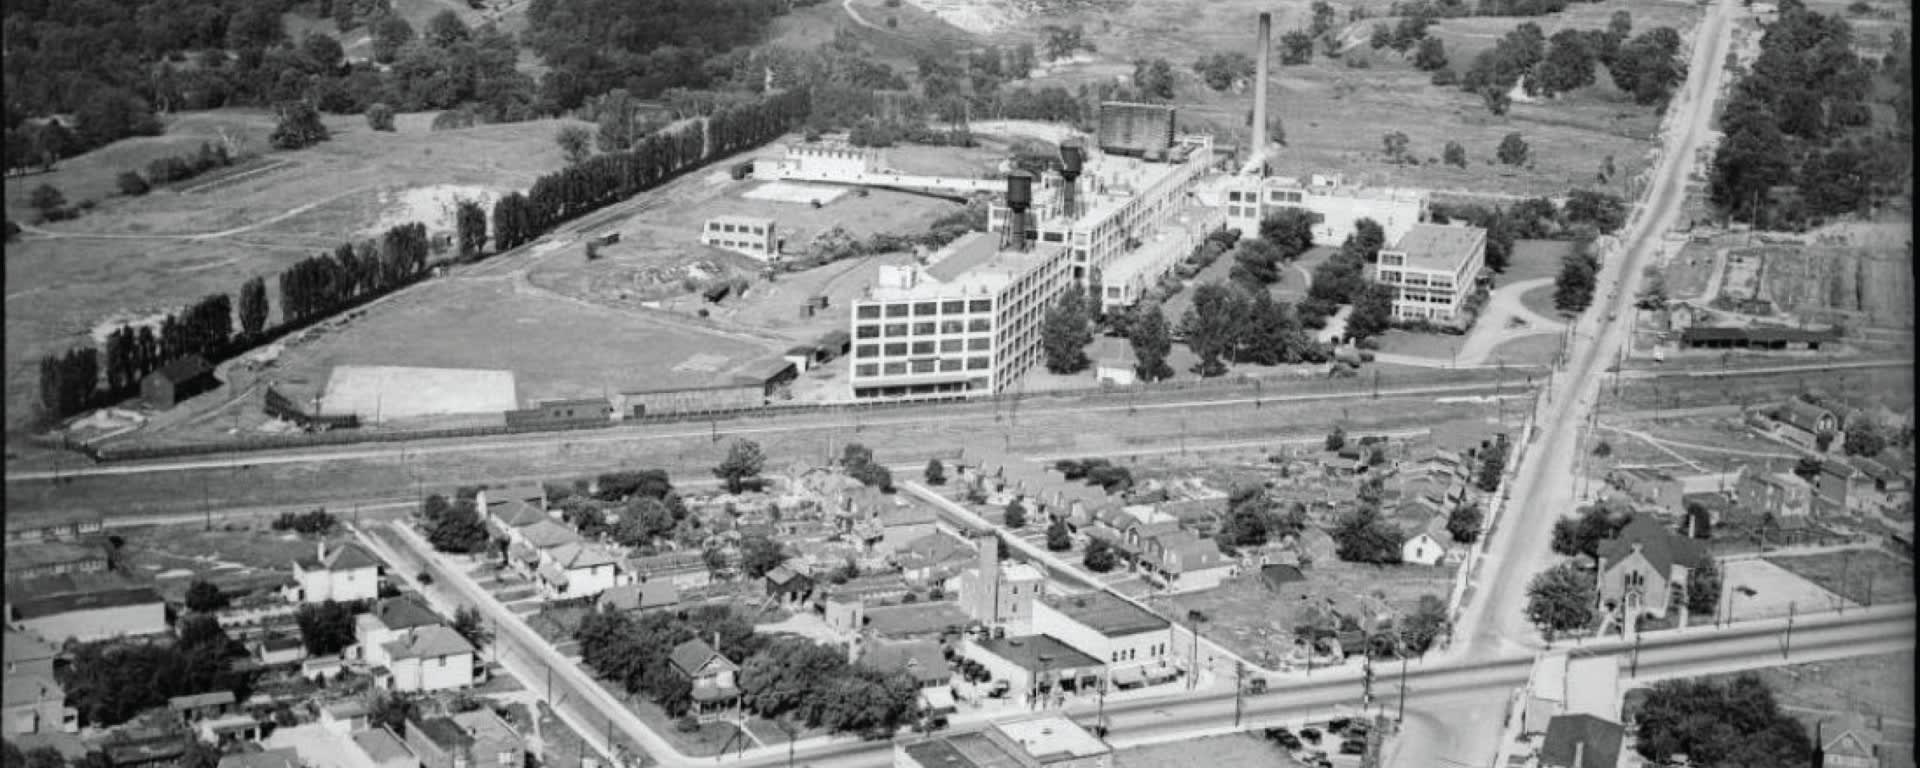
point(987, 598)
point(1260, 84)
point(716, 641)
point(323, 551)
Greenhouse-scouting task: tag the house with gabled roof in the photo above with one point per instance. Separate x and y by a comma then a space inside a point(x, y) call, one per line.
point(1428, 544)
point(385, 623)
point(686, 568)
point(933, 558)
point(578, 569)
point(1643, 569)
point(1180, 561)
point(715, 690)
point(345, 574)
point(639, 597)
point(429, 658)
point(1784, 494)
point(1581, 741)
point(1802, 423)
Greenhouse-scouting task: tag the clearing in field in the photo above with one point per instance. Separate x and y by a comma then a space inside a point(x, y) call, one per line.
point(1774, 592)
point(795, 192)
point(1866, 576)
point(379, 393)
point(1258, 623)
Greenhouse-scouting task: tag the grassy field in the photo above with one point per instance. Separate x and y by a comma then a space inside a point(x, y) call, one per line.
point(176, 555)
point(135, 257)
point(1258, 623)
point(1851, 573)
point(1240, 750)
point(1534, 259)
point(1869, 686)
point(1688, 274)
point(1537, 349)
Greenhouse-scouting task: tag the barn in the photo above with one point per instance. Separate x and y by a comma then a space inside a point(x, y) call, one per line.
point(176, 381)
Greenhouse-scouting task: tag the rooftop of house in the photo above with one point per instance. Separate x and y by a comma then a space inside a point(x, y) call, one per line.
point(404, 612)
point(920, 659)
point(1438, 247)
point(484, 725)
point(548, 533)
point(640, 596)
point(346, 557)
point(1598, 742)
point(1107, 613)
point(514, 513)
point(535, 494)
point(382, 746)
point(1038, 653)
point(442, 731)
point(429, 642)
point(693, 655)
point(933, 549)
point(1802, 414)
point(1051, 738)
point(668, 563)
point(283, 757)
point(1662, 547)
point(578, 555)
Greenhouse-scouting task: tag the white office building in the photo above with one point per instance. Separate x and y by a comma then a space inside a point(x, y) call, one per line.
point(744, 235)
point(1434, 269)
point(1340, 206)
point(967, 322)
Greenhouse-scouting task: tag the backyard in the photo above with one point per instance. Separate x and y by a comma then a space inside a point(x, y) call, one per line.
point(1258, 623)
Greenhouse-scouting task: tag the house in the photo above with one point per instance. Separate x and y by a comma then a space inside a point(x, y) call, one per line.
point(903, 523)
point(283, 757)
point(344, 717)
point(1184, 562)
point(1422, 547)
point(687, 569)
point(933, 558)
point(787, 585)
point(1801, 423)
point(477, 739)
point(346, 574)
point(35, 701)
point(714, 688)
point(385, 622)
point(85, 607)
point(275, 649)
point(1832, 485)
point(868, 589)
point(1113, 362)
point(1644, 566)
point(1715, 503)
point(1850, 749)
point(578, 570)
point(430, 658)
point(1110, 628)
point(1035, 666)
point(201, 706)
point(179, 379)
point(1561, 683)
point(1783, 494)
point(641, 597)
point(1047, 741)
point(228, 730)
point(385, 750)
point(921, 660)
point(1658, 490)
point(1581, 741)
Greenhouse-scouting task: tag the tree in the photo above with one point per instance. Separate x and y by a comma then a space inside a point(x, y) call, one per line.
point(1454, 154)
point(1431, 55)
point(1154, 78)
point(576, 142)
point(1337, 439)
point(759, 554)
point(1323, 18)
point(390, 33)
point(1497, 99)
point(1703, 588)
point(46, 199)
point(1100, 556)
point(299, 127)
point(744, 462)
point(1735, 722)
point(1380, 37)
point(1561, 599)
point(1568, 65)
point(253, 307)
point(1513, 150)
point(1573, 288)
point(203, 596)
point(1464, 522)
point(1212, 326)
point(459, 530)
point(1151, 342)
point(643, 520)
point(1492, 466)
point(1605, 212)
point(1255, 264)
point(446, 29)
point(1362, 536)
point(1290, 230)
point(391, 710)
point(936, 474)
point(380, 116)
point(1620, 24)
point(1582, 535)
point(132, 184)
point(1372, 311)
point(1065, 334)
point(1015, 515)
point(1864, 438)
point(1426, 624)
point(1271, 335)
point(1059, 539)
point(1394, 144)
point(471, 625)
point(1296, 48)
point(470, 225)
point(325, 628)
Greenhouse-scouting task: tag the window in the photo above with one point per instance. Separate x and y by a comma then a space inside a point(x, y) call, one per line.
point(953, 307)
point(896, 310)
point(1233, 197)
point(1053, 237)
point(867, 311)
point(896, 349)
point(923, 348)
point(979, 324)
point(950, 345)
point(950, 365)
point(924, 309)
point(895, 369)
point(866, 369)
point(923, 366)
point(980, 305)
point(866, 332)
point(924, 329)
point(952, 326)
point(979, 344)
point(977, 363)
point(867, 350)
point(896, 330)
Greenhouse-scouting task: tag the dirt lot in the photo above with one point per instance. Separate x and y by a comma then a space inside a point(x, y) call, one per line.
point(1852, 573)
point(1874, 285)
point(133, 257)
point(1871, 686)
point(1257, 623)
point(1690, 270)
point(1241, 750)
point(174, 556)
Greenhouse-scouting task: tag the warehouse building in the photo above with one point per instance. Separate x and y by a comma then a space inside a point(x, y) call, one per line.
point(1434, 269)
point(1338, 205)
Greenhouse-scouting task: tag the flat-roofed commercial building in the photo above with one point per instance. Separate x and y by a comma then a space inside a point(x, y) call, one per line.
point(1045, 741)
point(744, 235)
point(966, 323)
point(1433, 268)
point(1339, 206)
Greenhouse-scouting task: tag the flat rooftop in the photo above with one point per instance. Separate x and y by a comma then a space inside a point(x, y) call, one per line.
point(1401, 194)
point(966, 750)
point(974, 265)
point(1052, 737)
point(1026, 651)
point(1107, 613)
point(1438, 247)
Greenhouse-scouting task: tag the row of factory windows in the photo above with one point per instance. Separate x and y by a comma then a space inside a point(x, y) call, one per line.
point(897, 330)
point(923, 308)
point(928, 365)
point(902, 349)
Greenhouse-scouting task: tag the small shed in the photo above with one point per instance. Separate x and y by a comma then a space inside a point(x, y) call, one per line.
point(802, 356)
point(833, 344)
point(178, 380)
point(1114, 362)
point(1277, 576)
point(788, 585)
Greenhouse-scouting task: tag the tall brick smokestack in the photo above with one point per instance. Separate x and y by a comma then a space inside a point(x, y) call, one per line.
point(1260, 85)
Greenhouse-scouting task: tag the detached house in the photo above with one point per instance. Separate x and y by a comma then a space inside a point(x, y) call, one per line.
point(477, 739)
point(1645, 566)
point(1184, 562)
point(577, 569)
point(35, 700)
point(430, 658)
point(346, 574)
point(1801, 423)
point(387, 622)
point(1782, 493)
point(687, 569)
point(1430, 544)
point(715, 691)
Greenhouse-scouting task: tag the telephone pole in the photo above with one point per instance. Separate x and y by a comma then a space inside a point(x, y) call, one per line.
point(1402, 717)
point(1239, 690)
point(1786, 642)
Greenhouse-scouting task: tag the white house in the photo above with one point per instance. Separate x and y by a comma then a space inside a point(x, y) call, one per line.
point(388, 620)
point(431, 658)
point(1184, 562)
point(577, 569)
point(1422, 549)
point(344, 575)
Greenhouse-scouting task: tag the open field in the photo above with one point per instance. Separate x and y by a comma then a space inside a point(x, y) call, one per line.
point(1853, 573)
point(1538, 349)
point(1689, 272)
point(690, 452)
point(134, 257)
point(1259, 623)
point(1534, 259)
point(176, 555)
point(1757, 589)
point(1869, 686)
point(1873, 285)
point(1754, 390)
point(1240, 750)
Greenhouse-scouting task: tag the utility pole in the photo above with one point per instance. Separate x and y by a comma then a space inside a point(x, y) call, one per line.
point(1366, 683)
point(206, 505)
point(1239, 690)
point(1786, 642)
point(1402, 717)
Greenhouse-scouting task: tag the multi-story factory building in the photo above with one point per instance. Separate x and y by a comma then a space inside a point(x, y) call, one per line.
point(968, 322)
point(1339, 206)
point(1433, 268)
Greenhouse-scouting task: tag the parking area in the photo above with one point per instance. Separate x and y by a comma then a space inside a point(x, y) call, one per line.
point(1757, 589)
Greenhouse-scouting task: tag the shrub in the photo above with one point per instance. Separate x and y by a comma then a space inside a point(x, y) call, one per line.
point(132, 183)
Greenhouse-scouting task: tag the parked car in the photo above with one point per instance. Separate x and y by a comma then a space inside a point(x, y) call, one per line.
point(1353, 747)
point(1289, 741)
point(1312, 735)
point(1339, 724)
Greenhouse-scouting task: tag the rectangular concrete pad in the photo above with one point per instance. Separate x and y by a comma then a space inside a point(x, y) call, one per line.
point(795, 192)
point(1775, 589)
point(384, 392)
